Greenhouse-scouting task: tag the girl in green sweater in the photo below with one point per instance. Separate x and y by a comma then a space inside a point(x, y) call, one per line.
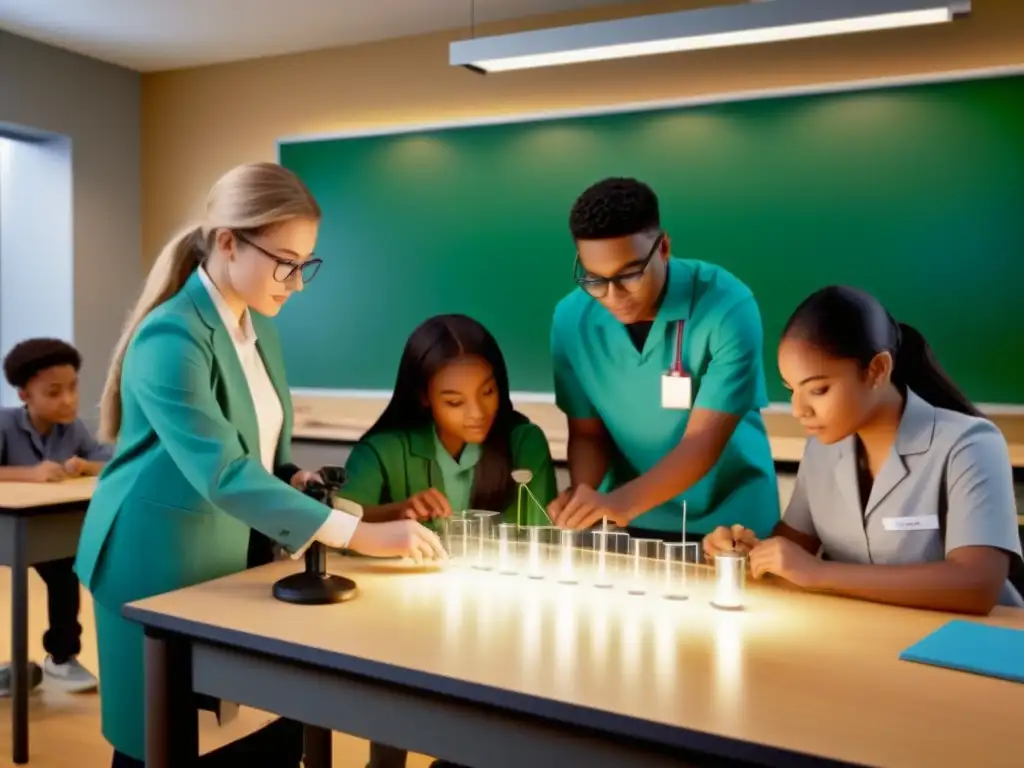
point(449, 439)
point(448, 442)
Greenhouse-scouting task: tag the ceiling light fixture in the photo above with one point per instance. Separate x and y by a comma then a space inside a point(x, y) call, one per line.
point(760, 21)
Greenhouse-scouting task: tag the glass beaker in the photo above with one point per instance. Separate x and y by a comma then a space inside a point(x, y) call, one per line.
point(644, 557)
point(678, 559)
point(538, 543)
point(508, 546)
point(459, 534)
point(610, 549)
point(730, 579)
point(567, 553)
point(485, 543)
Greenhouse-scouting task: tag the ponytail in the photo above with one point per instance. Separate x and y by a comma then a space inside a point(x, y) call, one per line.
point(850, 324)
point(172, 268)
point(915, 367)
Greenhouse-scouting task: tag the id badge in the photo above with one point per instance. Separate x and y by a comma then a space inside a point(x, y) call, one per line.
point(676, 391)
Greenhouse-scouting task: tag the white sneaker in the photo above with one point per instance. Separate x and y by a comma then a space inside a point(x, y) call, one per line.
point(69, 676)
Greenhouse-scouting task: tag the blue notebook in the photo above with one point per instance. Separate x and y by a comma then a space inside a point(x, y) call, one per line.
point(970, 647)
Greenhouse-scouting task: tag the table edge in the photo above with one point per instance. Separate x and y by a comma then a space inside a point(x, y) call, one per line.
point(660, 735)
point(44, 509)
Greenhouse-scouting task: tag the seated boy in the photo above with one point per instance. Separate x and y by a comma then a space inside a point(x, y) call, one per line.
point(44, 441)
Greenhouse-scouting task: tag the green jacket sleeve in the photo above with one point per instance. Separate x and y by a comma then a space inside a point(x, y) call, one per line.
point(169, 370)
point(365, 484)
point(530, 450)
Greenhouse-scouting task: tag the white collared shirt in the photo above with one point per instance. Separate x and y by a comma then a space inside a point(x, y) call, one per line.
point(341, 524)
point(269, 413)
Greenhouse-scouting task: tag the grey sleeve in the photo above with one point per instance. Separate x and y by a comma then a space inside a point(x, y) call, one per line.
point(89, 448)
point(798, 512)
point(982, 510)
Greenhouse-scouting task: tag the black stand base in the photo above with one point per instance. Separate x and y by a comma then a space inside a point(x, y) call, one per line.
point(313, 589)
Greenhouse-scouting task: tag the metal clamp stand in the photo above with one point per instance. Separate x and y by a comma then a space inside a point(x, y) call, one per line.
point(314, 586)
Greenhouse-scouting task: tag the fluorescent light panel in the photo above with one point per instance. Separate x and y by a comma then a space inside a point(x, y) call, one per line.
point(758, 22)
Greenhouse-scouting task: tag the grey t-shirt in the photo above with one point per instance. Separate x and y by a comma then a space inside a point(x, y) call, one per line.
point(22, 446)
point(941, 460)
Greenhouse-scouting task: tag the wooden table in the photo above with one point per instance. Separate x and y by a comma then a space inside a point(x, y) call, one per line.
point(493, 671)
point(39, 522)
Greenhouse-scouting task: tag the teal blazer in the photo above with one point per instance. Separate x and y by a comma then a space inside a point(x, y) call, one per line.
point(175, 504)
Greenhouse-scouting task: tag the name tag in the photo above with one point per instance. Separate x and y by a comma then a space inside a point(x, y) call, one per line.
point(922, 523)
point(676, 392)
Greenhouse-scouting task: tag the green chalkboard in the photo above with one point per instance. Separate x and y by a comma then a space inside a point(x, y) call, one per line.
point(914, 193)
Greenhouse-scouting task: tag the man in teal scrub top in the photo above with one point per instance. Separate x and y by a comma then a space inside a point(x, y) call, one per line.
point(658, 367)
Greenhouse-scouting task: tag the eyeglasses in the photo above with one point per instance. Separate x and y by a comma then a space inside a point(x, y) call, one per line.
point(628, 281)
point(286, 268)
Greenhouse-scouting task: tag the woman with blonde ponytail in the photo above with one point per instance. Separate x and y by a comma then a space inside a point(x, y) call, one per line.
point(197, 401)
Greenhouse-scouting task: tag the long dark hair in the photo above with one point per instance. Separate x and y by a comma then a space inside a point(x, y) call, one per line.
point(433, 345)
point(850, 324)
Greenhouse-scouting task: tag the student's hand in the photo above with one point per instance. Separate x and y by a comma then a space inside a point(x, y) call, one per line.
point(582, 508)
point(786, 559)
point(303, 477)
point(48, 472)
point(734, 539)
point(76, 466)
point(426, 505)
point(399, 538)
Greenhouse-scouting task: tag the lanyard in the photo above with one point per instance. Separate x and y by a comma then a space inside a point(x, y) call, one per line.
point(677, 363)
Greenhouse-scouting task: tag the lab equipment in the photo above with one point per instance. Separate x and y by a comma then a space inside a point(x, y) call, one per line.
point(314, 586)
point(508, 544)
point(730, 579)
point(484, 560)
point(459, 533)
point(538, 549)
point(643, 560)
point(675, 571)
point(567, 557)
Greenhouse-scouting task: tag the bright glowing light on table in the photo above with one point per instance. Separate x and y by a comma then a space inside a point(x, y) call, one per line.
point(632, 629)
point(566, 638)
point(599, 629)
point(729, 640)
point(666, 644)
point(532, 633)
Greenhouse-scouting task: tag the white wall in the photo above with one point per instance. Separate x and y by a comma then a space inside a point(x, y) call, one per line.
point(36, 244)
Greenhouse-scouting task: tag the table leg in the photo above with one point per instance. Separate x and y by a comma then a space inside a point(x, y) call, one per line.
point(20, 682)
point(172, 723)
point(317, 747)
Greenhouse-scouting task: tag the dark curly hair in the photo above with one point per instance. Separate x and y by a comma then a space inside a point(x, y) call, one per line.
point(32, 356)
point(614, 207)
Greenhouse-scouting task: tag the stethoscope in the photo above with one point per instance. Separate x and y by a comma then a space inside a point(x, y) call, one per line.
point(677, 362)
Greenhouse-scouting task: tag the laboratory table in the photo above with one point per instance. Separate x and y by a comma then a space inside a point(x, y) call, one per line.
point(499, 671)
point(39, 522)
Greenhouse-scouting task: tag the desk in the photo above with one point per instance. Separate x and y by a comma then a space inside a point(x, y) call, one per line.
point(500, 671)
point(38, 522)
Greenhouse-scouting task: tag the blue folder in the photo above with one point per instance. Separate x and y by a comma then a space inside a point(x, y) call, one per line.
point(971, 647)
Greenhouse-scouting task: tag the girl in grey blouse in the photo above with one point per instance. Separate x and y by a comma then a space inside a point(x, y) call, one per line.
point(904, 488)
